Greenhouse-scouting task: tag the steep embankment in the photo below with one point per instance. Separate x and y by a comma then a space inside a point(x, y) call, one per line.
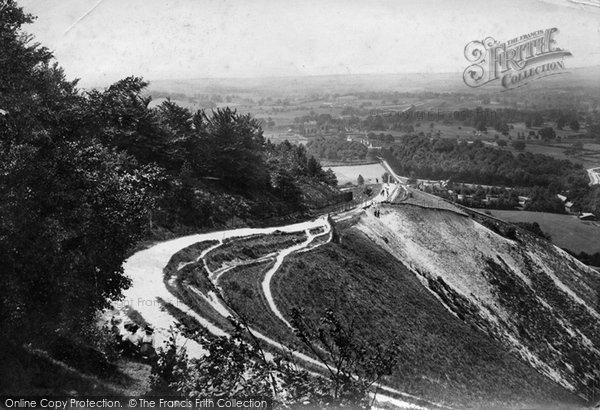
point(443, 358)
point(520, 290)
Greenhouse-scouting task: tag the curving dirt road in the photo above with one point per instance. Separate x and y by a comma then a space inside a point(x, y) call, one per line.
point(266, 284)
point(145, 268)
point(594, 174)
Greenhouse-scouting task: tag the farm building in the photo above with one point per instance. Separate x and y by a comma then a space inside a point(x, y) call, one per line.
point(586, 216)
point(523, 200)
point(569, 206)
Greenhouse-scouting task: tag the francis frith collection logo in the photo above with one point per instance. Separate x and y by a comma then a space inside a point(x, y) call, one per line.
point(515, 62)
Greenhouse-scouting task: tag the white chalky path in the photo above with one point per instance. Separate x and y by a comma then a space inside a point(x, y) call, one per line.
point(145, 269)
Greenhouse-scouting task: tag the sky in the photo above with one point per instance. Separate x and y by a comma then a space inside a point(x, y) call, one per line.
point(101, 41)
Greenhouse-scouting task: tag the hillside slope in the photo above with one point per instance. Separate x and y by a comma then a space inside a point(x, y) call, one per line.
point(443, 358)
point(485, 315)
point(522, 291)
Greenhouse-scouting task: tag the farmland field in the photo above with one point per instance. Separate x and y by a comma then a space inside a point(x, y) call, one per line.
point(349, 173)
point(567, 231)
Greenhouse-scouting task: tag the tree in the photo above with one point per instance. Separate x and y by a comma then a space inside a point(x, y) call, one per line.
point(518, 145)
point(119, 117)
point(360, 180)
point(545, 201)
point(313, 168)
point(239, 364)
point(330, 178)
point(353, 366)
point(69, 215)
point(232, 365)
point(286, 186)
point(70, 206)
point(547, 133)
point(574, 125)
point(234, 144)
point(480, 193)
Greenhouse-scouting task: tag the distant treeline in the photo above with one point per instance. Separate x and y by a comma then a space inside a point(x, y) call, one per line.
point(541, 177)
point(336, 148)
point(591, 260)
point(479, 118)
point(479, 164)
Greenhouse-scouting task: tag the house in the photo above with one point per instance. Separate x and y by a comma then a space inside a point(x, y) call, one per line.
point(561, 197)
point(587, 216)
point(523, 200)
point(310, 128)
point(569, 206)
point(371, 146)
point(491, 199)
point(356, 136)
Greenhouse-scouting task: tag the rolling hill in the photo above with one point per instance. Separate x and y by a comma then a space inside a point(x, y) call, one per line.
point(486, 315)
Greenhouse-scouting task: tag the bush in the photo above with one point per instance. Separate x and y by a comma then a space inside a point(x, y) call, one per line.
point(518, 145)
point(238, 364)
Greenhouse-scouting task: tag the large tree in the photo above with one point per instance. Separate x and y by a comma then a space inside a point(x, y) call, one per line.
point(234, 144)
point(70, 204)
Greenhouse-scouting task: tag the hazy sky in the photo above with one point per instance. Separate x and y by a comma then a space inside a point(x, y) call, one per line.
point(102, 41)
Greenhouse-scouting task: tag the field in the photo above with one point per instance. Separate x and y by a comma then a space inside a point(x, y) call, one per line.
point(350, 173)
point(589, 157)
point(567, 231)
point(242, 290)
point(251, 248)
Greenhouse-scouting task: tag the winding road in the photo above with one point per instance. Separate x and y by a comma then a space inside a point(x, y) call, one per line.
point(594, 174)
point(148, 291)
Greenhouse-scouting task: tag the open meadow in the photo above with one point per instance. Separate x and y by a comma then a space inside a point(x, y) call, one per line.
point(567, 231)
point(350, 173)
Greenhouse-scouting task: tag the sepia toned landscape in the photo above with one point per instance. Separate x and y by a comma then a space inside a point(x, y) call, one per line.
point(330, 239)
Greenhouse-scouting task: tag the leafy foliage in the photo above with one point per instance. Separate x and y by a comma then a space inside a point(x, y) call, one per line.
point(337, 149)
point(352, 365)
point(476, 163)
point(70, 207)
point(85, 174)
point(238, 365)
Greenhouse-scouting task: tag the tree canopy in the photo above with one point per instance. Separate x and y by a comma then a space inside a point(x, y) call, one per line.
point(85, 174)
point(70, 206)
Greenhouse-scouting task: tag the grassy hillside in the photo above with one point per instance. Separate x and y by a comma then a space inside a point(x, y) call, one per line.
point(518, 288)
point(243, 292)
point(486, 314)
point(443, 358)
point(251, 247)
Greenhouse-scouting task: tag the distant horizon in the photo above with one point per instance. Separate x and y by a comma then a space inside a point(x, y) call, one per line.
point(334, 75)
point(344, 83)
point(101, 41)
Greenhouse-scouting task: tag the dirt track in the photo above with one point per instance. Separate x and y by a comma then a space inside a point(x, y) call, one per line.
point(145, 269)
